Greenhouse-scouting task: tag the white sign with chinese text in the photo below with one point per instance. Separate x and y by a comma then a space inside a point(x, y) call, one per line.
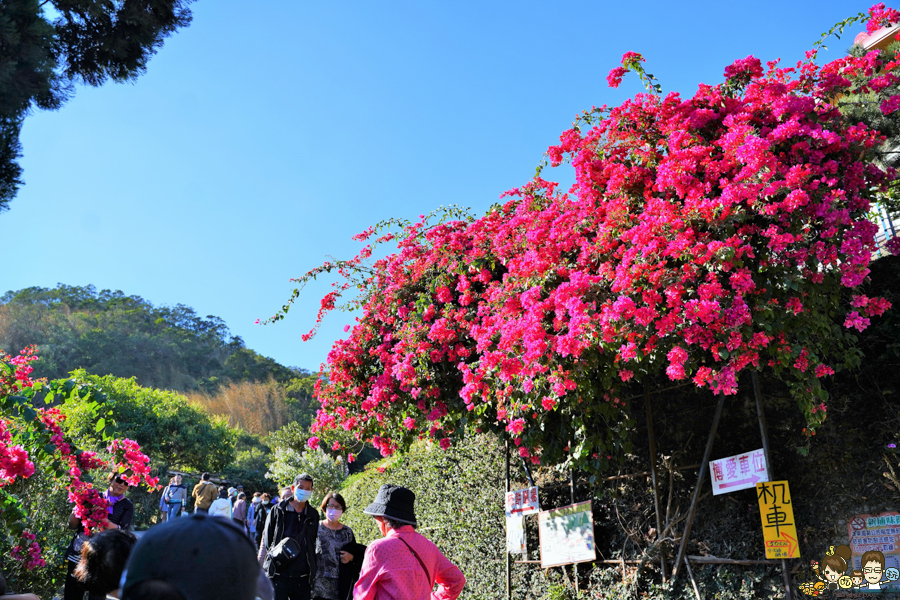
point(738, 472)
point(522, 502)
point(567, 535)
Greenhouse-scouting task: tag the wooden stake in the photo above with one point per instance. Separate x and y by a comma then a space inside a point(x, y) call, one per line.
point(508, 557)
point(572, 498)
point(687, 564)
point(765, 441)
point(704, 467)
point(659, 527)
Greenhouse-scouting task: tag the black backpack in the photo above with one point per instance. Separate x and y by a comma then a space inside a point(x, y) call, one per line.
point(260, 516)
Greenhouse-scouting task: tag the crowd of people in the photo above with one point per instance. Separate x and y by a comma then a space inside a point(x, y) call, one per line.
point(265, 548)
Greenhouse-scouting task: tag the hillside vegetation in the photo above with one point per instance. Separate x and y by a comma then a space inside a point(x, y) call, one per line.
point(162, 347)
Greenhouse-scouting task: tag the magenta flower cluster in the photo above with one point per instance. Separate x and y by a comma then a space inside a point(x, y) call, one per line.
point(703, 237)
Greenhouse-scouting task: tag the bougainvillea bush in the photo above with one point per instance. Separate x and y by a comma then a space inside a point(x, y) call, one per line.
point(32, 441)
point(704, 237)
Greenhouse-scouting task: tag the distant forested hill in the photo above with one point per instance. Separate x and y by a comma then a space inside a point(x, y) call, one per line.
point(170, 348)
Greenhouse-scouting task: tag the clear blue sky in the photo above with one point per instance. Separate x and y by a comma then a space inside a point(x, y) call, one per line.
point(266, 134)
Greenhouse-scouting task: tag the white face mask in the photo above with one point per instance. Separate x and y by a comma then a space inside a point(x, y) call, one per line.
point(333, 514)
point(257, 500)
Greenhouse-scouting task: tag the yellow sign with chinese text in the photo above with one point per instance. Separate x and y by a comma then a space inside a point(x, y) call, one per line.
point(777, 513)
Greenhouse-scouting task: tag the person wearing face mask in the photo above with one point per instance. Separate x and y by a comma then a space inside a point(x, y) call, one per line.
point(292, 518)
point(338, 556)
point(252, 507)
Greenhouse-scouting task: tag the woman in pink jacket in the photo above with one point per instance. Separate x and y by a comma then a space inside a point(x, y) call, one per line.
point(404, 564)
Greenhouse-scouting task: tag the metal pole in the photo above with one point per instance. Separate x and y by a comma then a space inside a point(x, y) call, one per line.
point(703, 468)
point(765, 441)
point(659, 529)
point(508, 557)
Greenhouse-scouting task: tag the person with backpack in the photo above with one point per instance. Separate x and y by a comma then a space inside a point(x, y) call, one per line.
point(204, 493)
point(175, 496)
point(260, 514)
point(222, 505)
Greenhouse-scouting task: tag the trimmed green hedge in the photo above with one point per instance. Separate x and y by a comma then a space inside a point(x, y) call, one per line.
point(459, 506)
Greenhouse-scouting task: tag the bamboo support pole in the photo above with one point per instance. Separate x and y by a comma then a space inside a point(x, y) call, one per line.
point(508, 557)
point(659, 529)
point(687, 564)
point(765, 440)
point(704, 466)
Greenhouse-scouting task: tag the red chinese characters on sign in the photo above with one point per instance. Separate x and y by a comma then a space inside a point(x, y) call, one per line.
point(738, 472)
point(875, 532)
point(522, 502)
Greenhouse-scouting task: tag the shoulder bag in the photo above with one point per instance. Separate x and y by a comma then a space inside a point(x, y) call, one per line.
point(418, 558)
point(285, 552)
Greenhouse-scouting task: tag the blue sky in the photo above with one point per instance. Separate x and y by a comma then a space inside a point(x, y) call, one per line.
point(266, 134)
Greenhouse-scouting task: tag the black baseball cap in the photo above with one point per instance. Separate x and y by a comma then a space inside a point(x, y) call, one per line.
point(204, 557)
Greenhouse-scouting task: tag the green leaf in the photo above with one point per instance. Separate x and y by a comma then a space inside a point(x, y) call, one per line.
point(101, 423)
point(29, 414)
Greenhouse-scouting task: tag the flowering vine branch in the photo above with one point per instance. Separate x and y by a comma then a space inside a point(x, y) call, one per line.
point(30, 435)
point(703, 237)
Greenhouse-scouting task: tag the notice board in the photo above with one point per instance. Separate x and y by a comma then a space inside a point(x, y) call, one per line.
point(567, 535)
point(876, 532)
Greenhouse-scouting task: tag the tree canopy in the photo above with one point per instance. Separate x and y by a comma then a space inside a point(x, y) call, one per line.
point(110, 333)
point(46, 47)
point(166, 425)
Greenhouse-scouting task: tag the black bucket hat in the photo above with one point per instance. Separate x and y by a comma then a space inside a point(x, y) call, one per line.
point(394, 502)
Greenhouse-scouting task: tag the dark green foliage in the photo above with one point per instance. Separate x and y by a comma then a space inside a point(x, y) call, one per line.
point(10, 150)
point(244, 364)
point(27, 78)
point(299, 397)
point(108, 332)
point(96, 41)
point(866, 108)
point(87, 41)
point(251, 461)
point(169, 429)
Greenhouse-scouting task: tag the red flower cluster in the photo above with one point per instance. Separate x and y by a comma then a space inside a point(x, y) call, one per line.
point(879, 17)
point(15, 462)
point(703, 237)
point(28, 552)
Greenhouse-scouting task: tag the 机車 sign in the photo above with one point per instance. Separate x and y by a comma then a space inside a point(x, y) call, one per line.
point(777, 514)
